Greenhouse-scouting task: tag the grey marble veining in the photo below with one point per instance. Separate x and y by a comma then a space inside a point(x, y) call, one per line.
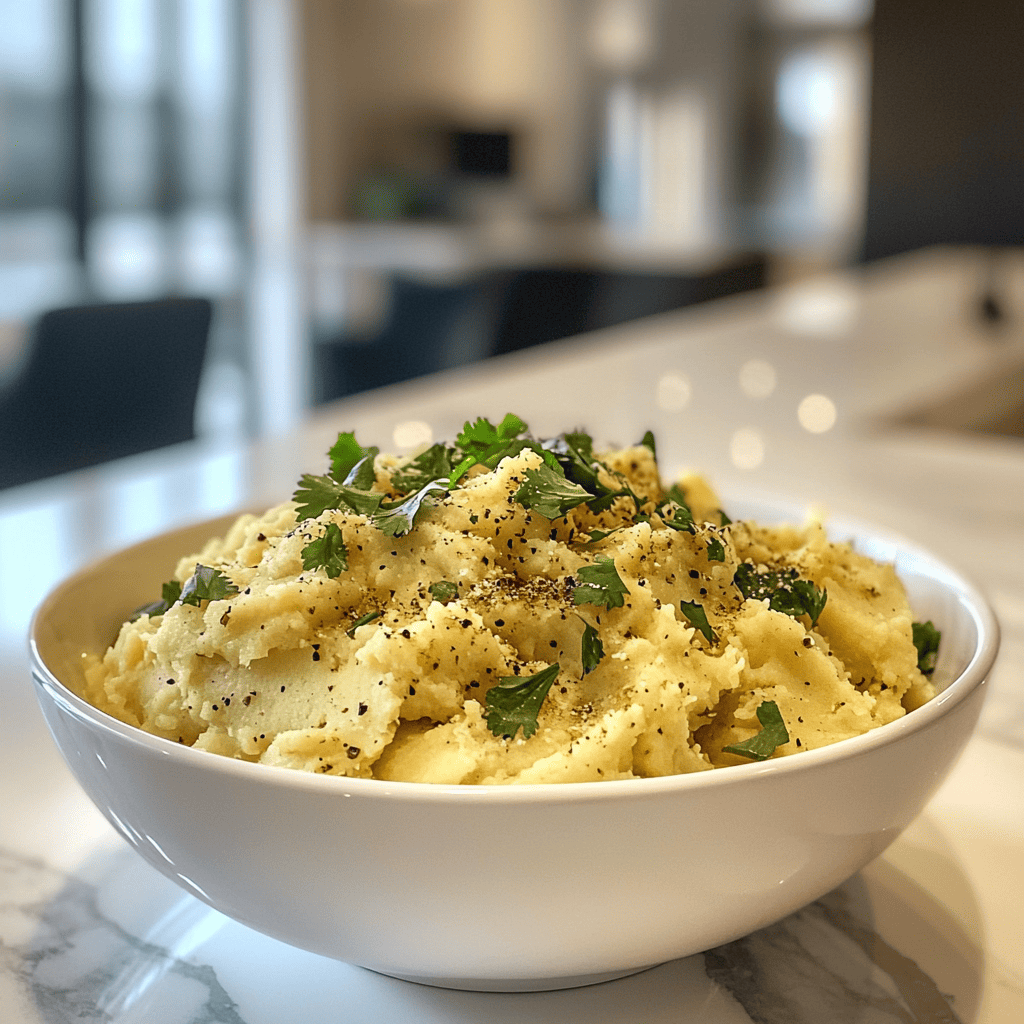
point(63, 959)
point(68, 963)
point(824, 964)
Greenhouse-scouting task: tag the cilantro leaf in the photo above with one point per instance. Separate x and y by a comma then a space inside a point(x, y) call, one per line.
point(674, 510)
point(782, 589)
point(362, 475)
point(716, 549)
point(443, 591)
point(327, 552)
point(698, 618)
point(515, 702)
point(648, 442)
point(395, 519)
point(429, 465)
point(169, 594)
point(361, 621)
point(681, 518)
point(316, 494)
point(581, 442)
point(206, 584)
point(574, 453)
point(926, 640)
point(347, 456)
point(600, 584)
point(549, 494)
point(478, 438)
point(482, 443)
point(773, 734)
point(592, 650)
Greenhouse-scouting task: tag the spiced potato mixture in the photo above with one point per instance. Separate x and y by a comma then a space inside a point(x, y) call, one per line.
point(512, 610)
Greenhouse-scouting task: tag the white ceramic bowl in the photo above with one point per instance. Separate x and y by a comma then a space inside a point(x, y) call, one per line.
point(506, 888)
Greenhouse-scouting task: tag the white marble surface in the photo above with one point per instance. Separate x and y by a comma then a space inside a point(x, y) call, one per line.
point(929, 932)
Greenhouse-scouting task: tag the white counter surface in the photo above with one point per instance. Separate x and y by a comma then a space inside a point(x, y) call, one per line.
point(89, 933)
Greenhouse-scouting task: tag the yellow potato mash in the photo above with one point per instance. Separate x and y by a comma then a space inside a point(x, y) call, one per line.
point(507, 610)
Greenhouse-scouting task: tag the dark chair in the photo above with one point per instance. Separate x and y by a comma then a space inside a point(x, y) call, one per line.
point(420, 337)
point(102, 382)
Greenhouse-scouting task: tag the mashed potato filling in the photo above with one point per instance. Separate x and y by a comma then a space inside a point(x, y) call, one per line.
point(626, 609)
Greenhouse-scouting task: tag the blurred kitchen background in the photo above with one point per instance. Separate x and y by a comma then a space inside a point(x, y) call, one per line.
point(371, 190)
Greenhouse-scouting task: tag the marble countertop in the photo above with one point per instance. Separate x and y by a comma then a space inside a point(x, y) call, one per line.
point(794, 392)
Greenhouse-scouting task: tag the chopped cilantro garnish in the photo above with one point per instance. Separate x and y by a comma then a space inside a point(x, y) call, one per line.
point(600, 584)
point(481, 437)
point(715, 549)
point(926, 640)
point(515, 702)
point(698, 618)
point(574, 453)
point(400, 517)
point(170, 592)
point(678, 518)
point(443, 591)
point(432, 464)
point(483, 442)
point(549, 493)
point(592, 650)
point(327, 552)
point(316, 494)
point(351, 463)
point(773, 734)
point(782, 589)
point(206, 584)
point(674, 510)
point(361, 621)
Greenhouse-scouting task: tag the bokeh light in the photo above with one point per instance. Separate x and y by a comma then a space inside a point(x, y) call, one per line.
point(673, 392)
point(817, 414)
point(746, 449)
point(757, 378)
point(412, 434)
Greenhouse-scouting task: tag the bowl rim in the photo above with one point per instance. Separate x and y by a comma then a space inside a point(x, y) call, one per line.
point(973, 676)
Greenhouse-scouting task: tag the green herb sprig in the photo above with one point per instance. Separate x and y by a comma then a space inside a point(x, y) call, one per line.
point(763, 744)
point(327, 552)
point(600, 584)
point(698, 618)
point(205, 584)
point(591, 648)
point(443, 591)
point(926, 640)
point(514, 702)
point(782, 589)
